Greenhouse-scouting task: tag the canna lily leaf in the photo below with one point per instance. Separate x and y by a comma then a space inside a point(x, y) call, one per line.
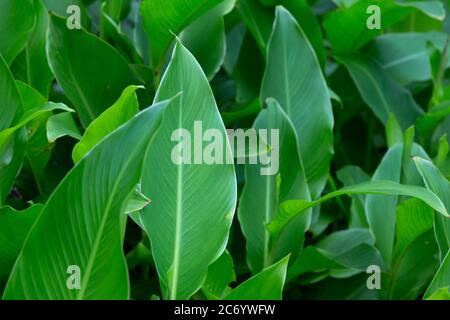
point(162, 18)
point(266, 285)
point(16, 21)
point(381, 93)
point(92, 75)
point(92, 239)
point(380, 209)
point(60, 125)
point(441, 279)
point(193, 202)
point(31, 65)
point(253, 213)
point(119, 113)
point(290, 209)
point(352, 21)
point(205, 38)
point(437, 183)
point(14, 227)
point(301, 90)
point(220, 275)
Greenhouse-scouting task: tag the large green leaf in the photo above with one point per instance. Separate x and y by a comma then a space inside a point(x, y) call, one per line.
point(10, 103)
point(205, 38)
point(87, 233)
point(255, 214)
point(192, 204)
point(119, 113)
point(16, 21)
point(162, 18)
point(92, 73)
point(405, 56)
point(352, 21)
point(14, 227)
point(441, 279)
point(414, 218)
point(290, 209)
point(380, 92)
point(352, 250)
point(31, 65)
point(220, 275)
point(380, 209)
point(301, 90)
point(258, 20)
point(266, 285)
point(437, 183)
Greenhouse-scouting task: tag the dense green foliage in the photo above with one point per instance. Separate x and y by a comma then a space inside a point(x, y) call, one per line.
point(95, 203)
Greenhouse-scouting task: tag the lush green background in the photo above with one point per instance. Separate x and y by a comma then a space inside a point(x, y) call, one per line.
point(86, 176)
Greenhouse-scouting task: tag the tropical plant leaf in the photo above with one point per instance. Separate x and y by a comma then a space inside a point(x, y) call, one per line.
point(14, 226)
point(162, 18)
point(188, 203)
point(31, 64)
point(380, 92)
point(16, 21)
point(60, 125)
point(302, 92)
point(93, 199)
point(220, 275)
point(292, 208)
point(437, 183)
point(266, 285)
point(92, 75)
point(120, 112)
point(255, 214)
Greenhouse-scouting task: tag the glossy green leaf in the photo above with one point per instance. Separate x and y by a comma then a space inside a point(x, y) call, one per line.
point(290, 209)
point(162, 18)
point(92, 73)
point(91, 237)
point(380, 92)
point(437, 183)
point(404, 56)
point(266, 285)
point(220, 275)
point(414, 218)
point(14, 226)
point(60, 125)
point(188, 203)
point(119, 113)
point(301, 90)
point(16, 21)
point(205, 38)
point(352, 21)
point(258, 20)
point(380, 209)
point(31, 65)
point(441, 279)
point(255, 214)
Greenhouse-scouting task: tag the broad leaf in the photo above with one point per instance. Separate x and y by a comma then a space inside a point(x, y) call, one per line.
point(16, 21)
point(254, 214)
point(437, 183)
point(266, 285)
point(380, 92)
point(290, 209)
point(31, 65)
point(93, 194)
point(162, 18)
point(14, 227)
point(301, 90)
point(441, 279)
point(193, 198)
point(93, 75)
point(119, 113)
